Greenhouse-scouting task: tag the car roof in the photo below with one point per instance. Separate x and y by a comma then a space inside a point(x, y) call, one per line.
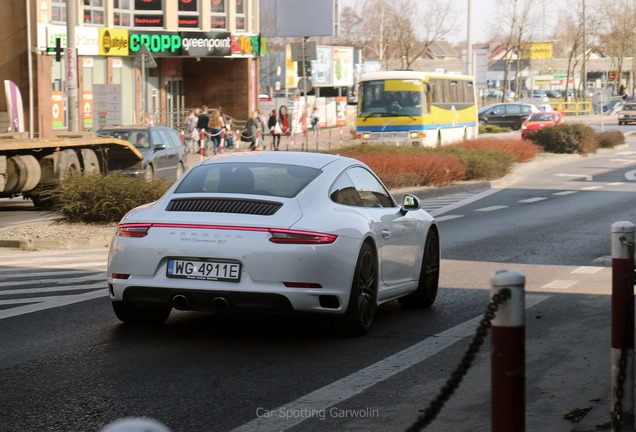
point(309, 159)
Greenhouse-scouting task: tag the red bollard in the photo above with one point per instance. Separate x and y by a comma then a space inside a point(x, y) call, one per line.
point(202, 149)
point(340, 134)
point(222, 142)
point(182, 138)
point(508, 345)
point(258, 134)
point(622, 326)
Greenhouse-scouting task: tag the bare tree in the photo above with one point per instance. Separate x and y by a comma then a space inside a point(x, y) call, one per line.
point(620, 19)
point(436, 24)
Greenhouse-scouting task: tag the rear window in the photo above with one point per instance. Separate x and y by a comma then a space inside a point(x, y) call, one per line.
point(247, 178)
point(630, 107)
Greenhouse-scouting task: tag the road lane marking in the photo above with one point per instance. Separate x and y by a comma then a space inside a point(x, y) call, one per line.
point(100, 276)
point(565, 193)
point(630, 175)
point(560, 284)
point(587, 270)
point(319, 401)
point(585, 176)
point(532, 200)
point(463, 202)
point(491, 208)
point(623, 161)
point(98, 283)
point(53, 303)
point(592, 187)
point(616, 184)
point(447, 217)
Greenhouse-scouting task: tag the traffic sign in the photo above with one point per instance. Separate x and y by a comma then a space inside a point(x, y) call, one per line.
point(601, 97)
point(148, 59)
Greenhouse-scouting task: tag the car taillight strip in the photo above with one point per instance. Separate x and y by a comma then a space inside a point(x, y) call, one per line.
point(278, 235)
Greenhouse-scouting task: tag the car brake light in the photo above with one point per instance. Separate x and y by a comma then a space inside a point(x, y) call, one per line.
point(300, 237)
point(302, 285)
point(120, 276)
point(133, 230)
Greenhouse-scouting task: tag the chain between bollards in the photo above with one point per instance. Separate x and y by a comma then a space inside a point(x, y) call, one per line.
point(458, 374)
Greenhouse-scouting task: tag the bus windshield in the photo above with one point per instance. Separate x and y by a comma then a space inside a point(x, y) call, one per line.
point(391, 98)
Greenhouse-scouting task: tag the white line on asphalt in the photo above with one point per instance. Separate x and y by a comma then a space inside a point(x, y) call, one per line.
point(53, 303)
point(587, 270)
point(630, 175)
point(491, 208)
point(320, 400)
point(560, 284)
point(100, 281)
point(592, 187)
point(447, 217)
point(623, 161)
point(565, 193)
point(626, 153)
point(532, 200)
point(101, 277)
point(585, 176)
point(463, 202)
point(616, 184)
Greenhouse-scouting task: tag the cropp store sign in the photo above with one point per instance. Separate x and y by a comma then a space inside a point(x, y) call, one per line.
point(121, 42)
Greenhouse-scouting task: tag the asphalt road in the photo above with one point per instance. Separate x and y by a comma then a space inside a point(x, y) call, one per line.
point(67, 364)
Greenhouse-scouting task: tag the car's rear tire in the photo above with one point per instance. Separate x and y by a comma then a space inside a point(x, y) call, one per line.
point(149, 173)
point(364, 294)
point(428, 284)
point(131, 313)
point(482, 122)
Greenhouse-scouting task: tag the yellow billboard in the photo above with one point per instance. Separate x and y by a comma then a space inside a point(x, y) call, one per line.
point(536, 51)
point(113, 42)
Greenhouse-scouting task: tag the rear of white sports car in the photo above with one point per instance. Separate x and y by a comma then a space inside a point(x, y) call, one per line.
point(274, 232)
point(234, 251)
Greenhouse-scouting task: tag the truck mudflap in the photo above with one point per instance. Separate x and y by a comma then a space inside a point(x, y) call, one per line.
point(26, 163)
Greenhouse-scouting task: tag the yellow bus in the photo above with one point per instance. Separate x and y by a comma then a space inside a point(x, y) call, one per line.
point(416, 108)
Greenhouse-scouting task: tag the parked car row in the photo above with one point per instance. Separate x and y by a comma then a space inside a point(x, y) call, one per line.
point(509, 115)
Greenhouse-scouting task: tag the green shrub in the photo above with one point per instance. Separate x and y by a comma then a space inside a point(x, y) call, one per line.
point(492, 129)
point(96, 198)
point(566, 138)
point(484, 163)
point(610, 139)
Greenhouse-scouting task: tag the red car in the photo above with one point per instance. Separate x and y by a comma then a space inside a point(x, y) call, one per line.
point(536, 121)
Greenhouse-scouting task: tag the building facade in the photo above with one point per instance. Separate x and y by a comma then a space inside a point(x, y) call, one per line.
point(136, 59)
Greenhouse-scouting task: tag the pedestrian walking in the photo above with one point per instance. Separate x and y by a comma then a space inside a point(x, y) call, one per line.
point(191, 132)
point(216, 127)
point(251, 130)
point(274, 129)
point(202, 124)
point(314, 121)
point(262, 122)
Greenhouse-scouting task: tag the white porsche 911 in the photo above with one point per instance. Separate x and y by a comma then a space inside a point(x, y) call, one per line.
point(279, 232)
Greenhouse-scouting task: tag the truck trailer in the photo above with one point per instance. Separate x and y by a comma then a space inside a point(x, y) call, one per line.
point(28, 164)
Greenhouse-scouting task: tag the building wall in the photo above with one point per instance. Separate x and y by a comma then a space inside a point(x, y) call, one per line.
point(211, 80)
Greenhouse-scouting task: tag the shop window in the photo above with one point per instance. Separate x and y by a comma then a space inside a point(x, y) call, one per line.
point(148, 13)
point(240, 14)
point(219, 14)
point(189, 14)
point(58, 11)
point(94, 12)
point(122, 13)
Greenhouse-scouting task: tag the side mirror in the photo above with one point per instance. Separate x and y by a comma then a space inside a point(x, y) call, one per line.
point(159, 147)
point(409, 203)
